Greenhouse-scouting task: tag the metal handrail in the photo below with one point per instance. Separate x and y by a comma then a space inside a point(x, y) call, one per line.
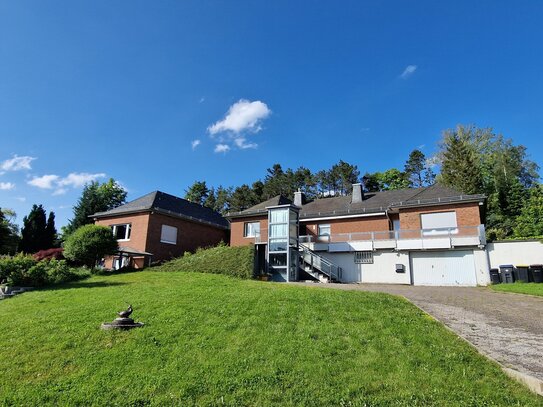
point(333, 271)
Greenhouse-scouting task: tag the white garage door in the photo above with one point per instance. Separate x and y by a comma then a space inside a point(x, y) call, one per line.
point(444, 268)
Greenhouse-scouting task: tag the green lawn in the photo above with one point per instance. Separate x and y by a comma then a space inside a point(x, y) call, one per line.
point(522, 288)
point(216, 340)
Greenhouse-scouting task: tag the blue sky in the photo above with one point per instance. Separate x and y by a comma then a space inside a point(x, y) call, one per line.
point(123, 89)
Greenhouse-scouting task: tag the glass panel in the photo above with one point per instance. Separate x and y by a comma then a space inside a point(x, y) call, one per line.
point(324, 230)
point(277, 245)
point(279, 216)
point(278, 259)
point(119, 231)
point(278, 230)
point(252, 229)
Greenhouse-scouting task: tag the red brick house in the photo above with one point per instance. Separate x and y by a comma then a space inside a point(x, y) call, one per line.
point(424, 236)
point(160, 226)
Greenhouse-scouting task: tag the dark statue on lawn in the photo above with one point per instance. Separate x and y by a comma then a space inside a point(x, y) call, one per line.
point(123, 321)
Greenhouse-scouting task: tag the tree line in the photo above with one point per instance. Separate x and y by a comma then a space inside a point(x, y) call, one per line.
point(469, 159)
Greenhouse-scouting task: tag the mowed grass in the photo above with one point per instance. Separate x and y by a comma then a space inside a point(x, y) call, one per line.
point(522, 288)
point(216, 340)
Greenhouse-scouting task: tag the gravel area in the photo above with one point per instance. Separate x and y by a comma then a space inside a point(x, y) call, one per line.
point(507, 327)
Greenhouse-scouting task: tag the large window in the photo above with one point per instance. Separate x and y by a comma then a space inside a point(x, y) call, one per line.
point(251, 229)
point(121, 232)
point(168, 234)
point(438, 223)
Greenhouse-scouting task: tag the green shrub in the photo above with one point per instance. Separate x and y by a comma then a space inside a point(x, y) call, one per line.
point(90, 243)
point(23, 270)
point(232, 261)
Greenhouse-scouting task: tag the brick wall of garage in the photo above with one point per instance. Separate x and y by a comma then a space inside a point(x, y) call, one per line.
point(467, 214)
point(237, 227)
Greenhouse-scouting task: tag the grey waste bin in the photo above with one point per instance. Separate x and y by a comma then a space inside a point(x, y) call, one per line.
point(521, 273)
point(495, 276)
point(506, 271)
point(536, 273)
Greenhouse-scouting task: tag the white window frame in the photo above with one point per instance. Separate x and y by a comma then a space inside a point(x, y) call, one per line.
point(126, 234)
point(250, 231)
point(165, 239)
point(324, 225)
point(363, 257)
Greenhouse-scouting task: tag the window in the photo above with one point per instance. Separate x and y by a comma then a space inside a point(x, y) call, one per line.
point(324, 230)
point(251, 229)
point(438, 223)
point(363, 257)
point(169, 234)
point(121, 232)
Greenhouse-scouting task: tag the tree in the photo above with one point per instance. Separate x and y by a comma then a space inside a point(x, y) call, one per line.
point(222, 203)
point(197, 192)
point(418, 170)
point(344, 175)
point(95, 198)
point(9, 232)
point(211, 199)
point(242, 198)
point(50, 238)
point(530, 221)
point(89, 243)
point(388, 180)
point(34, 232)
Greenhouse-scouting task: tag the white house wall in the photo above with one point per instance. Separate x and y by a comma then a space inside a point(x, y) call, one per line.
point(482, 267)
point(383, 269)
point(515, 252)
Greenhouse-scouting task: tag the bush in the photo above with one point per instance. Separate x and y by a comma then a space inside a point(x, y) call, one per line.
point(23, 270)
point(55, 253)
point(90, 243)
point(232, 261)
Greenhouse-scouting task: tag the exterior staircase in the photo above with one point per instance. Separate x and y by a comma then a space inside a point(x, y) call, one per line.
point(8, 292)
point(318, 267)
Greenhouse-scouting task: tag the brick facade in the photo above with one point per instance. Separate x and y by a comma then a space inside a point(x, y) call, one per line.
point(348, 225)
point(146, 230)
point(237, 229)
point(467, 214)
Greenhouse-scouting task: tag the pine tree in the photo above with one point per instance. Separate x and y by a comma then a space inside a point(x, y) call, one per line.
point(197, 192)
point(50, 238)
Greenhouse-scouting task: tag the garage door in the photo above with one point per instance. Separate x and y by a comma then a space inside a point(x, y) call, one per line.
point(443, 268)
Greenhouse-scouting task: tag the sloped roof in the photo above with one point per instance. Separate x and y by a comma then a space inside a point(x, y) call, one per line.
point(373, 202)
point(170, 205)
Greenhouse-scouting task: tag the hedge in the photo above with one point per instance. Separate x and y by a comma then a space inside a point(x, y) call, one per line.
point(26, 271)
point(232, 261)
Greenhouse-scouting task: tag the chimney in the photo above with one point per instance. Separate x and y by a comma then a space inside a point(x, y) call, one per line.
point(299, 198)
point(358, 194)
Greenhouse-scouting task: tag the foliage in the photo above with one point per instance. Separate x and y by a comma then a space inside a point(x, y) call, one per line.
point(418, 171)
point(89, 244)
point(197, 192)
point(391, 179)
point(213, 340)
point(9, 232)
point(38, 233)
point(222, 259)
point(24, 270)
point(530, 220)
point(54, 253)
point(95, 198)
point(478, 161)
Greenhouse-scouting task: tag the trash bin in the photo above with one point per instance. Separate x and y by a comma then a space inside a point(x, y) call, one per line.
point(506, 271)
point(521, 274)
point(536, 273)
point(495, 276)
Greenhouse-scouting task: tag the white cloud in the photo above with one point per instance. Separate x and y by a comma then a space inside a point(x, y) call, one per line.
point(241, 142)
point(60, 191)
point(44, 182)
point(242, 116)
point(6, 186)
point(17, 163)
point(78, 179)
point(222, 148)
point(195, 143)
point(408, 71)
point(20, 198)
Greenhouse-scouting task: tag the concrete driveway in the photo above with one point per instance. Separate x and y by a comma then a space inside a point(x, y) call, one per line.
point(506, 327)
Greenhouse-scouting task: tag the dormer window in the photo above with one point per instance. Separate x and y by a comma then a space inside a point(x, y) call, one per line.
point(121, 232)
